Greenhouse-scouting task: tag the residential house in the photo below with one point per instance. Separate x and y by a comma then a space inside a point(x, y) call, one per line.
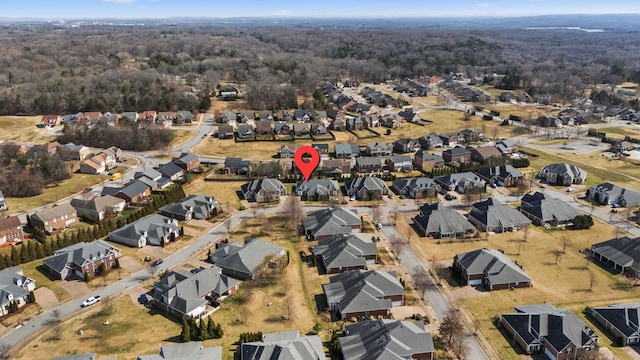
point(358, 293)
point(347, 150)
point(166, 118)
point(76, 152)
point(14, 287)
point(369, 164)
point(399, 163)
point(135, 191)
point(225, 132)
point(149, 176)
point(287, 151)
point(355, 123)
point(148, 117)
point(338, 124)
point(471, 135)
point(323, 224)
point(264, 127)
point(263, 115)
point(371, 121)
point(491, 269)
point(245, 131)
point(544, 210)
point(377, 339)
point(622, 146)
point(366, 188)
point(192, 350)
point(301, 129)
point(379, 149)
point(54, 219)
point(51, 120)
point(283, 128)
point(439, 221)
point(115, 153)
point(317, 189)
point(430, 141)
point(621, 321)
point(504, 175)
point(391, 121)
point(409, 116)
point(92, 117)
point(484, 153)
point(456, 155)
point(100, 207)
point(107, 158)
point(225, 117)
point(344, 252)
point(187, 294)
point(172, 171)
point(283, 115)
point(49, 148)
point(301, 115)
point(461, 182)
point(263, 190)
point(490, 215)
point(184, 117)
point(558, 333)
point(322, 149)
point(95, 165)
point(72, 118)
point(288, 345)
point(336, 167)
point(246, 261)
point(189, 162)
point(425, 161)
point(405, 145)
point(11, 230)
point(507, 147)
point(609, 194)
point(81, 260)
point(421, 187)
point(318, 115)
point(152, 229)
point(3, 202)
point(199, 207)
point(621, 255)
point(452, 139)
point(562, 174)
point(237, 166)
point(228, 92)
point(318, 129)
point(13, 149)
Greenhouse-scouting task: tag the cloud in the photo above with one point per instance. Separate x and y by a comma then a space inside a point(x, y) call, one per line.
point(483, 5)
point(119, 1)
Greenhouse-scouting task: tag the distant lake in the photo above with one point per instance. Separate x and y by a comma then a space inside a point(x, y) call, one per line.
point(565, 28)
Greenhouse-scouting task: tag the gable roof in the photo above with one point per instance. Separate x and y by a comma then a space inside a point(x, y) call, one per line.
point(412, 184)
point(199, 205)
point(248, 258)
point(362, 291)
point(625, 318)
point(617, 193)
point(426, 156)
point(78, 254)
point(267, 184)
point(345, 250)
point(500, 172)
point(185, 158)
point(440, 219)
point(562, 169)
point(346, 149)
point(155, 226)
point(499, 269)
point(384, 339)
point(548, 208)
point(192, 350)
point(331, 221)
point(150, 173)
point(99, 203)
point(494, 214)
point(368, 183)
point(133, 189)
point(624, 251)
point(320, 187)
point(10, 222)
point(169, 169)
point(54, 212)
point(287, 345)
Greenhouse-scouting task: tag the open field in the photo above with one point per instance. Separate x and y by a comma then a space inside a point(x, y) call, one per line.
point(598, 167)
point(620, 132)
point(563, 284)
point(524, 111)
point(453, 120)
point(51, 194)
point(22, 129)
point(181, 136)
point(223, 190)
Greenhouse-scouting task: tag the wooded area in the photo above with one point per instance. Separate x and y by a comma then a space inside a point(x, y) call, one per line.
point(55, 69)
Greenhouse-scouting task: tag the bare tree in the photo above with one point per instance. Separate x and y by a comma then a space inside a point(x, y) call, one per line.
point(556, 255)
point(592, 280)
point(376, 215)
point(4, 351)
point(292, 210)
point(56, 315)
point(525, 233)
point(288, 307)
point(152, 269)
point(393, 215)
point(495, 132)
point(564, 240)
point(421, 278)
point(396, 244)
point(593, 355)
point(451, 329)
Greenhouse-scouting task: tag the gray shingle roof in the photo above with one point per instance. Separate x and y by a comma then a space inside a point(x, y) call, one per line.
point(169, 169)
point(317, 187)
point(133, 189)
point(385, 339)
point(496, 215)
point(406, 185)
point(362, 291)
point(287, 345)
point(331, 221)
point(268, 185)
point(199, 205)
point(9, 280)
point(100, 203)
point(192, 350)
point(575, 173)
point(91, 356)
point(152, 174)
point(185, 158)
point(615, 194)
point(439, 219)
point(369, 161)
point(346, 149)
point(78, 253)
point(54, 212)
point(548, 208)
point(246, 259)
point(367, 183)
point(343, 251)
point(623, 251)
point(499, 269)
point(625, 318)
point(155, 226)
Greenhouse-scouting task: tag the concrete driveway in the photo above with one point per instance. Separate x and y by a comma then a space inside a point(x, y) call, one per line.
point(76, 288)
point(46, 298)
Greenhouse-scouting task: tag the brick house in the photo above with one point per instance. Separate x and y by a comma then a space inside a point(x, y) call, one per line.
point(74, 261)
point(10, 230)
point(55, 219)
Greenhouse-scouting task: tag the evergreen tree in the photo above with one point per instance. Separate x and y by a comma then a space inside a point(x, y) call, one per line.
point(204, 330)
point(185, 334)
point(33, 253)
point(211, 326)
point(3, 264)
point(53, 246)
point(219, 332)
point(39, 251)
point(95, 232)
point(15, 256)
point(13, 306)
point(32, 297)
point(116, 263)
point(24, 252)
point(103, 269)
point(195, 330)
point(86, 277)
point(172, 237)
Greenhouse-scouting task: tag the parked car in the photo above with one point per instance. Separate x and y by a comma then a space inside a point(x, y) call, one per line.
point(571, 189)
point(450, 197)
point(390, 196)
point(157, 262)
point(90, 301)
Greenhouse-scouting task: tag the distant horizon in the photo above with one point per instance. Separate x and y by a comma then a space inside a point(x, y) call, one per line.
point(290, 9)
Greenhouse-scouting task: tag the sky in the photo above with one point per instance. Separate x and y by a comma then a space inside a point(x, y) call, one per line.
point(307, 8)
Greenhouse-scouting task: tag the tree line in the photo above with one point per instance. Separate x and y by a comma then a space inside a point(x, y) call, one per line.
point(24, 175)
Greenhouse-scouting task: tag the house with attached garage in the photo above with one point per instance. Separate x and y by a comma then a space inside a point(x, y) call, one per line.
point(171, 171)
point(135, 191)
point(73, 262)
point(225, 132)
point(263, 190)
point(76, 152)
point(340, 253)
point(439, 221)
point(237, 166)
point(609, 194)
point(192, 294)
point(322, 149)
point(405, 145)
point(621, 321)
point(379, 149)
point(430, 141)
point(398, 163)
point(199, 207)
point(507, 147)
point(325, 223)
point(347, 150)
point(544, 210)
point(246, 131)
point(317, 189)
point(152, 229)
point(95, 165)
point(246, 261)
point(461, 182)
point(425, 161)
point(99, 207)
point(491, 215)
point(188, 162)
point(456, 155)
point(412, 188)
point(562, 174)
point(14, 287)
point(11, 230)
point(192, 350)
point(287, 151)
point(336, 168)
point(54, 219)
point(491, 269)
point(301, 129)
point(558, 333)
point(504, 175)
point(376, 339)
point(366, 188)
point(485, 153)
point(363, 293)
point(288, 345)
point(369, 164)
point(621, 255)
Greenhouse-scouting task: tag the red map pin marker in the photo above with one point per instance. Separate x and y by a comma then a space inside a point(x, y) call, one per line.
point(306, 168)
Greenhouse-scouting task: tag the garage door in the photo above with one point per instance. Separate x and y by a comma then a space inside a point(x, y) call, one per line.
point(371, 261)
point(475, 282)
point(396, 303)
point(549, 354)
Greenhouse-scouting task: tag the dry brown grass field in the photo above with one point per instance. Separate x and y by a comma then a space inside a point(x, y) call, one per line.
point(453, 120)
point(22, 129)
point(223, 190)
point(566, 283)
